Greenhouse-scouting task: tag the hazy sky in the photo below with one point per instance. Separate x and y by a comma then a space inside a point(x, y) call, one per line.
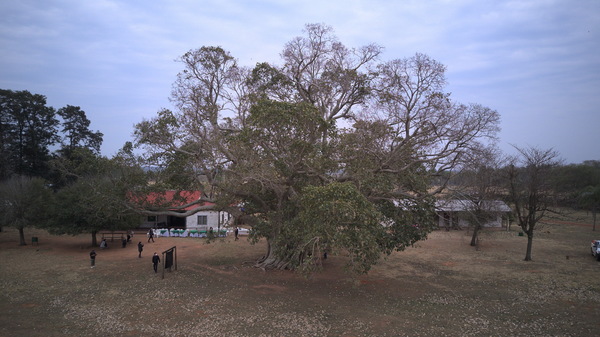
point(536, 62)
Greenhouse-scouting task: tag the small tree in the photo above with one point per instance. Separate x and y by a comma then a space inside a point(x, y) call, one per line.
point(477, 185)
point(529, 187)
point(24, 201)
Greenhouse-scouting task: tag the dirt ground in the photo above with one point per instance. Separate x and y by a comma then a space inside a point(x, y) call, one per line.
point(440, 287)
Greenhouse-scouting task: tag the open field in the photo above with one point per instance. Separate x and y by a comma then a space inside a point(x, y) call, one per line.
point(441, 287)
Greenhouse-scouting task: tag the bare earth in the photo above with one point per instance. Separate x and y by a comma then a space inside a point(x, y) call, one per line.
point(441, 287)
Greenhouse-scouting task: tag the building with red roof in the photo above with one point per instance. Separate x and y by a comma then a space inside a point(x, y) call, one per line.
point(195, 213)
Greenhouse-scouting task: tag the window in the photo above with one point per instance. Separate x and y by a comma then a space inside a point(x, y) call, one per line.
point(202, 220)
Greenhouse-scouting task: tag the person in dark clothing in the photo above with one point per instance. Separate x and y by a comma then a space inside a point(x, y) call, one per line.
point(155, 261)
point(140, 248)
point(150, 235)
point(123, 243)
point(93, 258)
point(236, 231)
point(128, 237)
point(210, 235)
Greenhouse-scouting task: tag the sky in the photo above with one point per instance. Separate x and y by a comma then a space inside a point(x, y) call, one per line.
point(537, 62)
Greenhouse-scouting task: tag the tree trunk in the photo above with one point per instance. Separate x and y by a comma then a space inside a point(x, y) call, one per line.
point(22, 236)
point(474, 238)
point(271, 261)
point(529, 244)
point(94, 240)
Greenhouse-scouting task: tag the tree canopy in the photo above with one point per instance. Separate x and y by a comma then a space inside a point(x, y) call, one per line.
point(28, 129)
point(96, 200)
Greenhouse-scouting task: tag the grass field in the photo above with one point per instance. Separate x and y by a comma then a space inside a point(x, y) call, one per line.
point(440, 287)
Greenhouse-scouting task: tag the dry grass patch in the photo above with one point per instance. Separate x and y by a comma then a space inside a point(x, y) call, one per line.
point(442, 287)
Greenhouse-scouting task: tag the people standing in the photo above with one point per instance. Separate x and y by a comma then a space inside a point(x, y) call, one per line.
point(236, 231)
point(93, 258)
point(151, 235)
point(155, 261)
point(140, 249)
point(210, 235)
point(103, 244)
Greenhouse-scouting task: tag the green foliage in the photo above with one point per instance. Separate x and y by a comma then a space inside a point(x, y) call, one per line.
point(407, 221)
point(95, 201)
point(571, 181)
point(268, 82)
point(333, 218)
point(72, 163)
point(589, 198)
point(75, 127)
point(24, 201)
point(27, 129)
point(287, 170)
point(279, 152)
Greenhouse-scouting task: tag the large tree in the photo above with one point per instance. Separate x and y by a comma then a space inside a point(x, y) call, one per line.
point(530, 188)
point(268, 139)
point(28, 129)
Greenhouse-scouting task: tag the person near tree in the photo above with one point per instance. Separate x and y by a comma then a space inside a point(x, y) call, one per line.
point(155, 262)
point(140, 248)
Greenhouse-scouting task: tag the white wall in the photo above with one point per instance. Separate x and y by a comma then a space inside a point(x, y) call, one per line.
point(191, 222)
point(212, 220)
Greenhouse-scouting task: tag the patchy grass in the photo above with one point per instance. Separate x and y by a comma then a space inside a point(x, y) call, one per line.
point(440, 287)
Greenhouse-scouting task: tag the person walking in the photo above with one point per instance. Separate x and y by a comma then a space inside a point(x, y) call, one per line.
point(140, 248)
point(155, 261)
point(151, 235)
point(236, 231)
point(93, 258)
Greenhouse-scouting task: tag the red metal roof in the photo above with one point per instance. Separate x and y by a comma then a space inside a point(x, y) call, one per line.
point(175, 199)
